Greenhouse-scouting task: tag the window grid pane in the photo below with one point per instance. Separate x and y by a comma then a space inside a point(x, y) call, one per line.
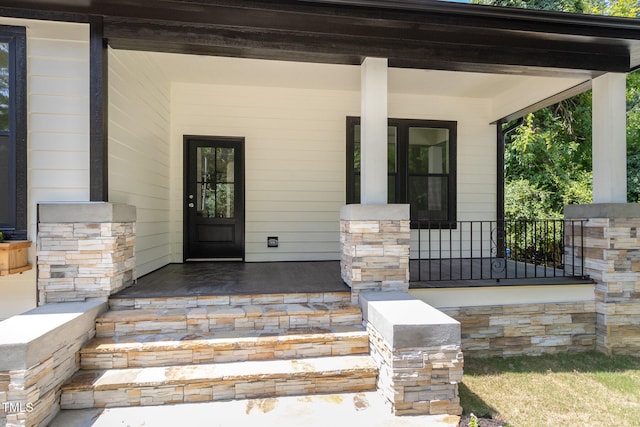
point(421, 167)
point(428, 150)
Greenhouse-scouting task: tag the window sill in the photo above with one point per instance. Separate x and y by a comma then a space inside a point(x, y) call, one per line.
point(14, 257)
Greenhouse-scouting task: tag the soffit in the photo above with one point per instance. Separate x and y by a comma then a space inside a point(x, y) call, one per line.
point(506, 93)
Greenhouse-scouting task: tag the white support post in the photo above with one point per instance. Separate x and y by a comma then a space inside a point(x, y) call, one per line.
point(609, 139)
point(373, 126)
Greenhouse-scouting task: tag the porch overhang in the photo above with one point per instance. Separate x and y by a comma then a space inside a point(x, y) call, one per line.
point(411, 34)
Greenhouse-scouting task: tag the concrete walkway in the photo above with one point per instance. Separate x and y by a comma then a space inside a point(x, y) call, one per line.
point(349, 409)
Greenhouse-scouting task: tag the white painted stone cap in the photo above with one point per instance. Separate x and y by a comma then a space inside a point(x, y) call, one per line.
point(407, 322)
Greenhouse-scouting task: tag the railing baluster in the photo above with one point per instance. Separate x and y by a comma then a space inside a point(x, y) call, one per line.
point(514, 246)
point(481, 253)
point(450, 253)
point(491, 257)
point(471, 250)
point(522, 244)
point(553, 250)
point(440, 250)
point(430, 254)
point(460, 248)
point(419, 251)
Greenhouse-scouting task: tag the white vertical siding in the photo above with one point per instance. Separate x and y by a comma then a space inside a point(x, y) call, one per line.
point(58, 133)
point(139, 163)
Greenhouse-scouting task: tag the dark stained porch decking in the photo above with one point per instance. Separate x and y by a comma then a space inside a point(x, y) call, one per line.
point(238, 278)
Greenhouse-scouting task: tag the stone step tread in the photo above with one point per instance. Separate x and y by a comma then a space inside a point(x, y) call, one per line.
point(222, 347)
point(177, 314)
point(212, 382)
point(221, 339)
point(112, 379)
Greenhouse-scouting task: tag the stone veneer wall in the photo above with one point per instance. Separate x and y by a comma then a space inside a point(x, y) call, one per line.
point(612, 258)
point(85, 250)
point(374, 242)
point(418, 381)
point(417, 351)
point(526, 329)
point(38, 353)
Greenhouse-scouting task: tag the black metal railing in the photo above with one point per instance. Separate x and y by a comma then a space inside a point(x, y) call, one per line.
point(495, 250)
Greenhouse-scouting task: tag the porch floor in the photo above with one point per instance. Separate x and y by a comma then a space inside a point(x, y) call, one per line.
point(238, 278)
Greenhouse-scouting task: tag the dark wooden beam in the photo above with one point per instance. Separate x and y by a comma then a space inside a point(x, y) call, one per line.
point(408, 52)
point(455, 36)
point(19, 11)
point(410, 33)
point(98, 109)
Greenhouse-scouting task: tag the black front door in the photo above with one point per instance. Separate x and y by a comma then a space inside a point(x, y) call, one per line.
point(214, 198)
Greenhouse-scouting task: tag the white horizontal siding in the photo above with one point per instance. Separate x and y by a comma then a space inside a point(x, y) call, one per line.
point(57, 131)
point(139, 152)
point(476, 147)
point(295, 158)
point(58, 106)
point(18, 293)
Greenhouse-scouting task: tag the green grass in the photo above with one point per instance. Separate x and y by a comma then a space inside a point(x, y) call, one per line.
point(587, 389)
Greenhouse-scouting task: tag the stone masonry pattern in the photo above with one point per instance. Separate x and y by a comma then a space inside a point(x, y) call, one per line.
point(35, 392)
point(77, 261)
point(612, 260)
point(418, 381)
point(526, 329)
point(375, 255)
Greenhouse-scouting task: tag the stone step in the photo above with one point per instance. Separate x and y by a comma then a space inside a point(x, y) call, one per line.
point(224, 381)
point(274, 317)
point(224, 346)
point(193, 301)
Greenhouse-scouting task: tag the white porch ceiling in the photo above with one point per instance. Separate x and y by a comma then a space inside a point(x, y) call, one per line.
point(508, 93)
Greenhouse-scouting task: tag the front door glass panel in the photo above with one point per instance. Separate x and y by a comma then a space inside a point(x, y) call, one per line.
point(215, 185)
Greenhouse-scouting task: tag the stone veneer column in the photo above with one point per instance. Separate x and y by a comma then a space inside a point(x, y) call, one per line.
point(417, 351)
point(611, 256)
point(85, 250)
point(374, 242)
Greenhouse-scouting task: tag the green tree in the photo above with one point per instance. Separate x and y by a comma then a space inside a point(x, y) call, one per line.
point(557, 5)
point(548, 159)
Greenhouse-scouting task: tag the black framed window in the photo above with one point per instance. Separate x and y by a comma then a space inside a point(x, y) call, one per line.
point(13, 133)
point(421, 167)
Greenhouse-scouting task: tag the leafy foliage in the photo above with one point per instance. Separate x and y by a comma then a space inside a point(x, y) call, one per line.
point(548, 159)
point(557, 5)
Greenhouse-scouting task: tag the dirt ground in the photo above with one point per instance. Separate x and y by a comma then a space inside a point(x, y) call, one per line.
point(482, 422)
